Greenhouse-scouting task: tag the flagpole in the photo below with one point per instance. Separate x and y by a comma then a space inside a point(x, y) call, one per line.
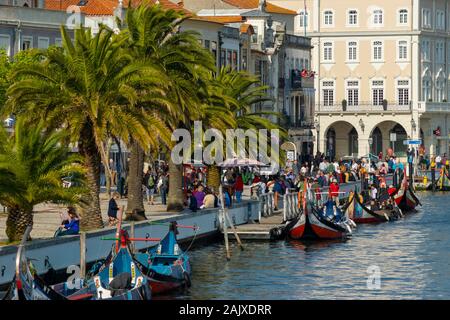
point(305, 17)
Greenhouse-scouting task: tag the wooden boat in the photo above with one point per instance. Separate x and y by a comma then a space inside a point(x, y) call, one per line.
point(28, 285)
point(443, 183)
point(166, 266)
point(409, 201)
point(318, 223)
point(119, 278)
point(367, 213)
point(357, 213)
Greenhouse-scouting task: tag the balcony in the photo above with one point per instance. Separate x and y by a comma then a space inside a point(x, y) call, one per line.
point(292, 40)
point(392, 107)
point(434, 107)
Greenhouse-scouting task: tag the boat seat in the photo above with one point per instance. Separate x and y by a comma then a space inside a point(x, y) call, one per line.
point(120, 284)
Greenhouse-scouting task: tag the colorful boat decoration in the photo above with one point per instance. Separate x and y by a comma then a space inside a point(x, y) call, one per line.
point(409, 201)
point(443, 183)
point(372, 213)
point(166, 266)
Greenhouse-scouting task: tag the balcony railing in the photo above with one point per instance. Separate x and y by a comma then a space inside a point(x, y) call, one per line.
point(438, 107)
point(298, 41)
point(364, 107)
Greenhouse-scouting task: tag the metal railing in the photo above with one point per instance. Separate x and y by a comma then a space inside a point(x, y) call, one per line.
point(291, 205)
point(298, 40)
point(363, 107)
point(267, 205)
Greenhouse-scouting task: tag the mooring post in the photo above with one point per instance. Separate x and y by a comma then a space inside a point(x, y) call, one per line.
point(433, 179)
point(225, 227)
point(82, 255)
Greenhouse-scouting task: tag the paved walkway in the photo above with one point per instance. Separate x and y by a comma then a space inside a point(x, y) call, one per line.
point(46, 216)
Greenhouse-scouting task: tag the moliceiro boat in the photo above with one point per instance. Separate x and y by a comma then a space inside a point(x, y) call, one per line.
point(443, 183)
point(166, 266)
point(319, 222)
point(371, 212)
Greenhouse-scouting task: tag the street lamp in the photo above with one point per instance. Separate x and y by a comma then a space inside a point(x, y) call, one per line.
point(370, 149)
point(317, 126)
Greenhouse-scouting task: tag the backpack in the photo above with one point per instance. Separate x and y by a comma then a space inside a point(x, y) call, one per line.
point(151, 182)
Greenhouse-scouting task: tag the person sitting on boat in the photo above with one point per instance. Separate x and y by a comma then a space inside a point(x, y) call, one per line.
point(373, 192)
point(199, 195)
point(72, 226)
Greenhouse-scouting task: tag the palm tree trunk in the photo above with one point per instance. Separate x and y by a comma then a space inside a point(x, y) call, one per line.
point(135, 177)
point(17, 222)
point(176, 197)
point(213, 177)
point(90, 212)
point(108, 176)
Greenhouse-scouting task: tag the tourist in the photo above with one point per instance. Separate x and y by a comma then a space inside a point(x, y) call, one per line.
point(113, 207)
point(239, 187)
point(71, 226)
point(373, 192)
point(334, 191)
point(321, 180)
point(149, 178)
point(163, 186)
point(210, 200)
point(192, 201)
point(438, 160)
point(199, 195)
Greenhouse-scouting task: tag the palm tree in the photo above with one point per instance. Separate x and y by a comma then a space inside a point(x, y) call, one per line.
point(239, 91)
point(154, 35)
point(33, 162)
point(85, 88)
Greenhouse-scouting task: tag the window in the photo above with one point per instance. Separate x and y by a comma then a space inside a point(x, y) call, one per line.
point(244, 59)
point(5, 43)
point(234, 58)
point(352, 51)
point(307, 67)
point(378, 17)
point(43, 43)
point(58, 42)
point(440, 52)
point(377, 50)
point(440, 85)
point(353, 17)
point(328, 51)
point(402, 50)
point(377, 92)
point(255, 35)
point(328, 93)
point(207, 44)
point(426, 50)
point(229, 60)
point(426, 18)
point(403, 16)
point(352, 93)
point(403, 92)
point(303, 19)
point(27, 43)
point(426, 89)
point(440, 20)
point(328, 18)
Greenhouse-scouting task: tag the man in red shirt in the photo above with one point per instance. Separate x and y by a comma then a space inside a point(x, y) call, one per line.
point(391, 190)
point(334, 191)
point(239, 187)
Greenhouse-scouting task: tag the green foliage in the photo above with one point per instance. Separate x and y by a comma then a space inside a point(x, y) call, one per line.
point(32, 164)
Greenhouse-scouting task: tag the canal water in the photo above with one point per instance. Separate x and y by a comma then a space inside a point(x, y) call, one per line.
point(411, 257)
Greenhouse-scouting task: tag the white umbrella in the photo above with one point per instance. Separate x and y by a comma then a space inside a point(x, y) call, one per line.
point(240, 162)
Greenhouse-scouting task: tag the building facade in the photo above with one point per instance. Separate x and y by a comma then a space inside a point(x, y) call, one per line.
point(382, 73)
point(278, 57)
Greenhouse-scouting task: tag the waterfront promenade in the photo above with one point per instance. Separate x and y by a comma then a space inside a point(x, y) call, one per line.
point(47, 218)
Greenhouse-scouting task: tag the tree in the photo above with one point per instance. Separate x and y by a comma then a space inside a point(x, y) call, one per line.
point(84, 88)
point(32, 164)
point(153, 34)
